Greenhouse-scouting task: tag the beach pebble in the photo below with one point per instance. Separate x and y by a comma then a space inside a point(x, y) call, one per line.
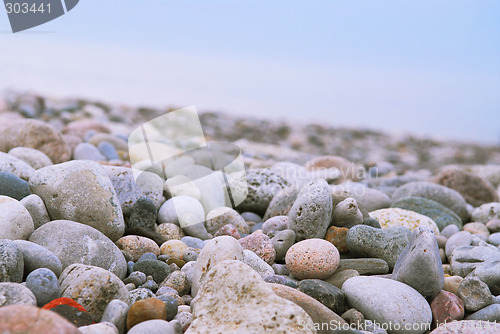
point(347, 214)
point(459, 239)
point(93, 202)
point(157, 269)
point(447, 307)
point(465, 259)
point(36, 256)
point(116, 313)
point(451, 283)
point(87, 246)
point(15, 220)
point(20, 319)
point(219, 217)
point(86, 151)
point(311, 213)
point(489, 273)
point(282, 202)
point(143, 214)
point(17, 167)
point(327, 294)
point(157, 326)
point(173, 248)
point(312, 258)
point(282, 241)
point(170, 231)
point(486, 212)
point(368, 198)
point(336, 235)
point(488, 313)
point(260, 244)
point(251, 217)
point(493, 225)
point(217, 306)
point(228, 229)
point(449, 230)
point(475, 294)
point(178, 281)
point(15, 293)
point(13, 186)
point(144, 310)
point(478, 229)
point(402, 304)
point(35, 206)
point(11, 262)
point(185, 319)
point(92, 287)
point(186, 212)
point(108, 150)
point(281, 279)
point(275, 224)
point(135, 246)
point(400, 217)
point(340, 276)
point(99, 328)
point(140, 294)
point(44, 285)
point(364, 266)
point(193, 242)
point(256, 263)
point(419, 265)
point(386, 244)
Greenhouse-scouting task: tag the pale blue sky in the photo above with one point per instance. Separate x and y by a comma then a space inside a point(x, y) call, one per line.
point(430, 67)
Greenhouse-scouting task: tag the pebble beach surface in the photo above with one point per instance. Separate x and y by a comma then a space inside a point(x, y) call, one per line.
point(341, 231)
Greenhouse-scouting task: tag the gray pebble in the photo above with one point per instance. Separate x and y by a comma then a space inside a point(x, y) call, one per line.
point(489, 273)
point(158, 269)
point(11, 262)
point(153, 327)
point(108, 150)
point(15, 293)
point(86, 151)
point(251, 217)
point(116, 313)
point(136, 277)
point(327, 294)
point(44, 285)
point(35, 206)
point(193, 242)
point(494, 239)
point(488, 313)
point(347, 214)
point(150, 285)
point(147, 256)
point(190, 254)
point(280, 269)
point(13, 186)
point(474, 293)
point(364, 266)
point(465, 259)
point(274, 225)
point(282, 241)
point(171, 305)
point(36, 256)
point(140, 294)
point(449, 230)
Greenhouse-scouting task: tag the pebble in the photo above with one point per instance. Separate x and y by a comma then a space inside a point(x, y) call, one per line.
point(13, 186)
point(228, 229)
point(173, 248)
point(474, 189)
point(260, 244)
point(36, 256)
point(215, 251)
point(193, 242)
point(451, 283)
point(263, 184)
point(153, 327)
point(312, 258)
point(311, 213)
point(219, 217)
point(419, 265)
point(93, 201)
point(11, 262)
point(178, 281)
point(489, 273)
point(465, 259)
point(340, 276)
point(326, 293)
point(108, 150)
point(185, 319)
point(489, 313)
point(170, 231)
point(475, 294)
point(400, 217)
point(282, 202)
point(38, 135)
point(86, 151)
point(282, 241)
point(218, 307)
point(251, 217)
point(143, 214)
point(186, 212)
point(135, 277)
point(190, 254)
point(280, 279)
point(336, 235)
point(449, 230)
point(144, 310)
point(158, 269)
point(100, 328)
point(274, 225)
point(15, 221)
point(11, 165)
point(44, 285)
point(486, 212)
point(364, 266)
point(459, 239)
point(386, 244)
point(493, 225)
point(402, 304)
point(447, 307)
point(448, 197)
point(137, 245)
point(35, 206)
point(15, 294)
point(129, 189)
point(171, 305)
point(368, 198)
point(92, 287)
point(116, 313)
point(347, 214)
point(439, 213)
point(140, 294)
point(87, 246)
point(150, 285)
point(20, 319)
point(257, 264)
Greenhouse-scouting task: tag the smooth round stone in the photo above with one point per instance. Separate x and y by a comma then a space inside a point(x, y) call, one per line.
point(447, 307)
point(489, 313)
point(115, 140)
point(368, 198)
point(15, 293)
point(12, 165)
point(229, 230)
point(137, 245)
point(129, 189)
point(38, 135)
point(146, 309)
point(11, 262)
point(364, 266)
point(150, 285)
point(193, 242)
point(35, 206)
point(451, 283)
point(185, 319)
point(13, 186)
point(158, 269)
point(87, 246)
point(465, 259)
point(251, 217)
point(44, 285)
point(263, 184)
point(478, 229)
point(486, 212)
point(170, 231)
point(256, 263)
point(188, 269)
point(274, 224)
point(475, 294)
point(282, 241)
point(282, 202)
point(400, 217)
point(140, 294)
point(36, 256)
point(489, 273)
point(173, 248)
point(171, 305)
point(136, 277)
point(254, 227)
point(336, 235)
point(147, 256)
point(386, 244)
point(186, 212)
point(459, 239)
point(177, 280)
point(93, 202)
point(219, 217)
point(15, 220)
point(116, 313)
point(280, 279)
point(108, 150)
point(449, 230)
point(86, 151)
point(340, 276)
point(215, 251)
point(311, 213)
point(468, 327)
point(439, 213)
point(493, 225)
point(20, 319)
point(312, 258)
point(153, 327)
point(100, 328)
point(190, 254)
point(347, 213)
point(438, 193)
point(92, 287)
point(260, 244)
point(402, 304)
point(32, 157)
point(327, 294)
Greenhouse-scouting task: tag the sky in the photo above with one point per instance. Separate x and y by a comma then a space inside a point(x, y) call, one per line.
point(426, 67)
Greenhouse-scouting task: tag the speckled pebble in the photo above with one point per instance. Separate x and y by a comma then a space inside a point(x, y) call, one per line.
point(261, 245)
point(395, 216)
point(173, 248)
point(44, 285)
